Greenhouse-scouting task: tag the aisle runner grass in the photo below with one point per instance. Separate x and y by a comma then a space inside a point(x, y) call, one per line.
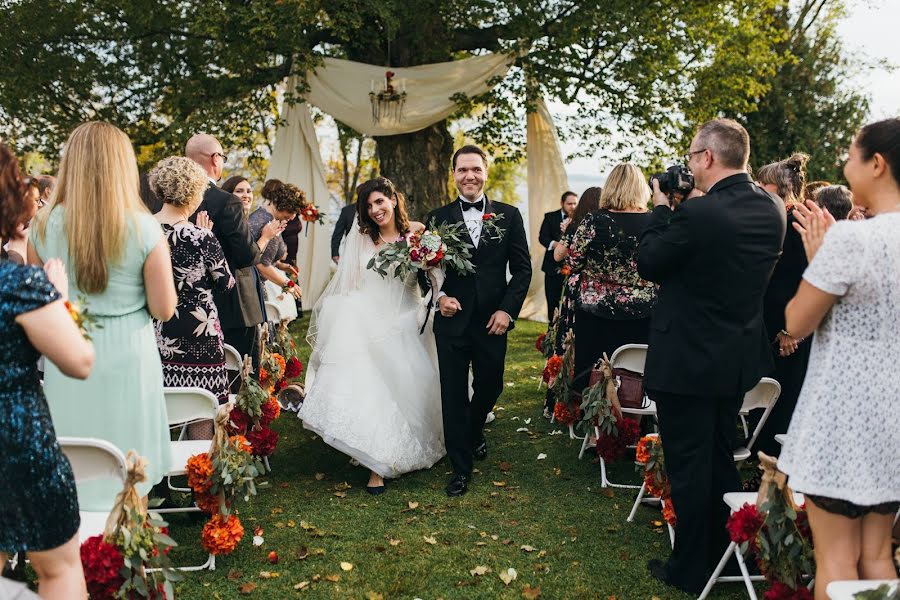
point(547, 519)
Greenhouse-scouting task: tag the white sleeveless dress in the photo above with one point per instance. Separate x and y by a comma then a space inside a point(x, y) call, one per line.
point(372, 387)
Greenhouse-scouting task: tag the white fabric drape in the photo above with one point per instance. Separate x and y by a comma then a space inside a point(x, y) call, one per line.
point(547, 179)
point(296, 159)
point(341, 88)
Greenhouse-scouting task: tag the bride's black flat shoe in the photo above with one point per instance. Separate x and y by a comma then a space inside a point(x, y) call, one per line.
point(375, 490)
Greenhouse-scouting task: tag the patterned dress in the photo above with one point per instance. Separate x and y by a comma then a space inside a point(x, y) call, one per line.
point(40, 505)
point(191, 343)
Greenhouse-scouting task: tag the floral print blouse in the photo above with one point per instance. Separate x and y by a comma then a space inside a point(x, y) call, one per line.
point(603, 262)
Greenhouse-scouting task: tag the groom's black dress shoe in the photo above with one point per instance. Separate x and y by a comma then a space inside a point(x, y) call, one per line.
point(480, 451)
point(459, 485)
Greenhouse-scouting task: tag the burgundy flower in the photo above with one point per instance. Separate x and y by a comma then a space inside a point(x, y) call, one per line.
point(744, 525)
point(239, 421)
point(263, 441)
point(102, 563)
point(780, 591)
point(293, 368)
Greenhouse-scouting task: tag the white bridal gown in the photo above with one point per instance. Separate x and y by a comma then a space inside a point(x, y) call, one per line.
point(372, 387)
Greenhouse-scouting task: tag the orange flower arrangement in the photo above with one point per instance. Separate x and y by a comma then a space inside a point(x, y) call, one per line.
point(199, 473)
point(273, 407)
point(642, 453)
point(281, 362)
point(669, 512)
point(207, 503)
point(552, 368)
point(264, 379)
point(240, 443)
point(221, 536)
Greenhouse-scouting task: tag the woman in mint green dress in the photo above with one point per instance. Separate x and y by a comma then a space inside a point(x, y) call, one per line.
point(119, 266)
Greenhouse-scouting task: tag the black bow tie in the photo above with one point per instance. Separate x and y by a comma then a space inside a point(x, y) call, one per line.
point(479, 206)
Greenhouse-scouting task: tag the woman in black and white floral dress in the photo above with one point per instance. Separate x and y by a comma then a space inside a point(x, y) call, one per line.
point(191, 343)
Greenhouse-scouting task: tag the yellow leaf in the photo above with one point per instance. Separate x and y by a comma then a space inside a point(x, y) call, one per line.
point(341, 494)
point(302, 585)
point(531, 593)
point(374, 596)
point(277, 511)
point(394, 542)
point(429, 540)
point(333, 578)
point(508, 576)
point(499, 483)
point(527, 548)
point(413, 505)
point(269, 574)
point(320, 476)
point(345, 566)
point(479, 570)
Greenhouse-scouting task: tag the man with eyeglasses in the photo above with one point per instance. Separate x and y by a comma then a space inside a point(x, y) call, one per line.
point(241, 308)
point(712, 255)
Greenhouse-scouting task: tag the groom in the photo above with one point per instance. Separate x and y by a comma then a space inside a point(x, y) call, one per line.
point(476, 311)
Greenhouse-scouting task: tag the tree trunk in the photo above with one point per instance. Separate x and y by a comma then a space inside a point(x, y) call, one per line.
point(419, 165)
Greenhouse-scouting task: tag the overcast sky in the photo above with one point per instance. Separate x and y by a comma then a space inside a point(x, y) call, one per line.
point(869, 30)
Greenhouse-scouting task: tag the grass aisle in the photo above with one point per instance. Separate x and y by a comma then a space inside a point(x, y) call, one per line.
point(547, 519)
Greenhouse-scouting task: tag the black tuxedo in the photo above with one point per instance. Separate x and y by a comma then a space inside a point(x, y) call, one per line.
point(553, 281)
point(712, 257)
point(342, 227)
point(463, 340)
point(241, 308)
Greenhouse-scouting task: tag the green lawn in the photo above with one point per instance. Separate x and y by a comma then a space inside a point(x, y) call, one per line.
point(414, 542)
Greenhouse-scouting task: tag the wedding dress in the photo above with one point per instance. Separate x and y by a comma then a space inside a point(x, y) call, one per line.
point(372, 386)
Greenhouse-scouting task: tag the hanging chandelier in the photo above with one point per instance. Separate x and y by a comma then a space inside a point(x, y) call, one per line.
point(387, 103)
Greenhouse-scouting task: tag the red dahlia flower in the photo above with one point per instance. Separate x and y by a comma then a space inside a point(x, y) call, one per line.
point(102, 563)
point(744, 525)
point(293, 368)
point(263, 441)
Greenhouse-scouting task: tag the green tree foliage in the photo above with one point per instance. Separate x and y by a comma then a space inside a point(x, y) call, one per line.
point(163, 69)
point(811, 105)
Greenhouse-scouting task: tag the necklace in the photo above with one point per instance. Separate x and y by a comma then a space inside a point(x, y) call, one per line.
point(381, 237)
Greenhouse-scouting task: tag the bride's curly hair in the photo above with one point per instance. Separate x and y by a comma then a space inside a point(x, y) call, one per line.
point(367, 225)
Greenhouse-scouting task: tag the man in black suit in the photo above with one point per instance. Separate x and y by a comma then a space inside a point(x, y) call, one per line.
point(712, 256)
point(551, 231)
point(476, 311)
point(341, 228)
point(241, 308)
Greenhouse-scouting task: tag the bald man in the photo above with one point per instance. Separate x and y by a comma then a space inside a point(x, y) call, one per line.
point(241, 308)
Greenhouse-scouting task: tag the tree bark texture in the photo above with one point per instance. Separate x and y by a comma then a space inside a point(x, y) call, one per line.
point(418, 163)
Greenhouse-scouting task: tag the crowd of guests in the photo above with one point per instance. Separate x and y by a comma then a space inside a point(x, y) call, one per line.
point(734, 282)
point(170, 268)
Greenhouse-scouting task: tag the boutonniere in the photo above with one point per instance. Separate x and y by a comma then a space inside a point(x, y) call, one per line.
point(490, 228)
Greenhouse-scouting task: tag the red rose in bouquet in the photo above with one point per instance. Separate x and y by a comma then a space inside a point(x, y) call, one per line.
point(744, 525)
point(780, 591)
point(271, 410)
point(552, 368)
point(239, 421)
point(539, 344)
point(263, 441)
point(293, 368)
point(102, 564)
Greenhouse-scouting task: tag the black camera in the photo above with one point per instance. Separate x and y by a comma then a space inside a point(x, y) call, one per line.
point(677, 179)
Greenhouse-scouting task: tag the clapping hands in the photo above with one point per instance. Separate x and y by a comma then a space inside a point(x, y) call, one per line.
point(203, 220)
point(812, 223)
point(56, 273)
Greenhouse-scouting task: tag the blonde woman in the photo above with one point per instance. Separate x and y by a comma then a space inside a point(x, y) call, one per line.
point(119, 263)
point(191, 344)
point(612, 302)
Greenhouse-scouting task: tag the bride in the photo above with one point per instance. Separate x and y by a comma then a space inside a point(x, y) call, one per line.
point(372, 388)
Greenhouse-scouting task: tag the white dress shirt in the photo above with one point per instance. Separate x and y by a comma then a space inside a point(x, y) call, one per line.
point(473, 218)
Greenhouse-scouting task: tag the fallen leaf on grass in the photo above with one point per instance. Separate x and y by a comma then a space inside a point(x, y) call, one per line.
point(541, 456)
point(509, 576)
point(234, 575)
point(527, 421)
point(495, 537)
point(333, 578)
point(343, 486)
point(481, 543)
point(499, 483)
point(479, 570)
point(394, 542)
point(341, 494)
point(505, 466)
point(374, 596)
point(269, 574)
point(522, 430)
point(527, 548)
point(247, 588)
point(429, 540)
point(412, 505)
point(258, 540)
point(345, 566)
point(302, 585)
point(657, 523)
point(320, 476)
point(277, 510)
point(531, 593)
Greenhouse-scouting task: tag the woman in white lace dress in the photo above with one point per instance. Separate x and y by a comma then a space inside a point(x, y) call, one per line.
point(843, 446)
point(372, 380)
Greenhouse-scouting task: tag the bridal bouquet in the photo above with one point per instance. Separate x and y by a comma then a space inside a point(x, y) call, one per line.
point(437, 247)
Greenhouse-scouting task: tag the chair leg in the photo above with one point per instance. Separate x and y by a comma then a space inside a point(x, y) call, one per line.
point(718, 571)
point(746, 575)
point(584, 444)
point(744, 425)
point(637, 502)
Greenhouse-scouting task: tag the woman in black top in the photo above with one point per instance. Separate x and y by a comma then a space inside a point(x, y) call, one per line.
point(787, 180)
point(612, 301)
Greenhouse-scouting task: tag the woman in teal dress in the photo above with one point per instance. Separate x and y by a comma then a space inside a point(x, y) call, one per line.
point(119, 266)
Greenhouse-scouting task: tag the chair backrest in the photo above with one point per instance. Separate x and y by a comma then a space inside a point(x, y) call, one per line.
point(233, 359)
point(93, 458)
point(763, 395)
point(185, 405)
point(273, 315)
point(631, 357)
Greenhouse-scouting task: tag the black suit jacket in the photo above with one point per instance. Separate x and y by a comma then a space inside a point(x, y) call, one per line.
point(486, 291)
point(712, 257)
point(342, 228)
point(550, 233)
point(240, 306)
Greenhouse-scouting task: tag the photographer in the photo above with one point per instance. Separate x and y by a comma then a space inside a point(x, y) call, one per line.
point(712, 256)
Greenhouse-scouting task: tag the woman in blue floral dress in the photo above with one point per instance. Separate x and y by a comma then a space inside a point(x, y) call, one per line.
point(612, 302)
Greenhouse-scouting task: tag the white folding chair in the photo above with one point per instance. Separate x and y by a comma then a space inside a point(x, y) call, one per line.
point(735, 500)
point(631, 357)
point(764, 395)
point(234, 363)
point(848, 590)
point(93, 459)
point(273, 315)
